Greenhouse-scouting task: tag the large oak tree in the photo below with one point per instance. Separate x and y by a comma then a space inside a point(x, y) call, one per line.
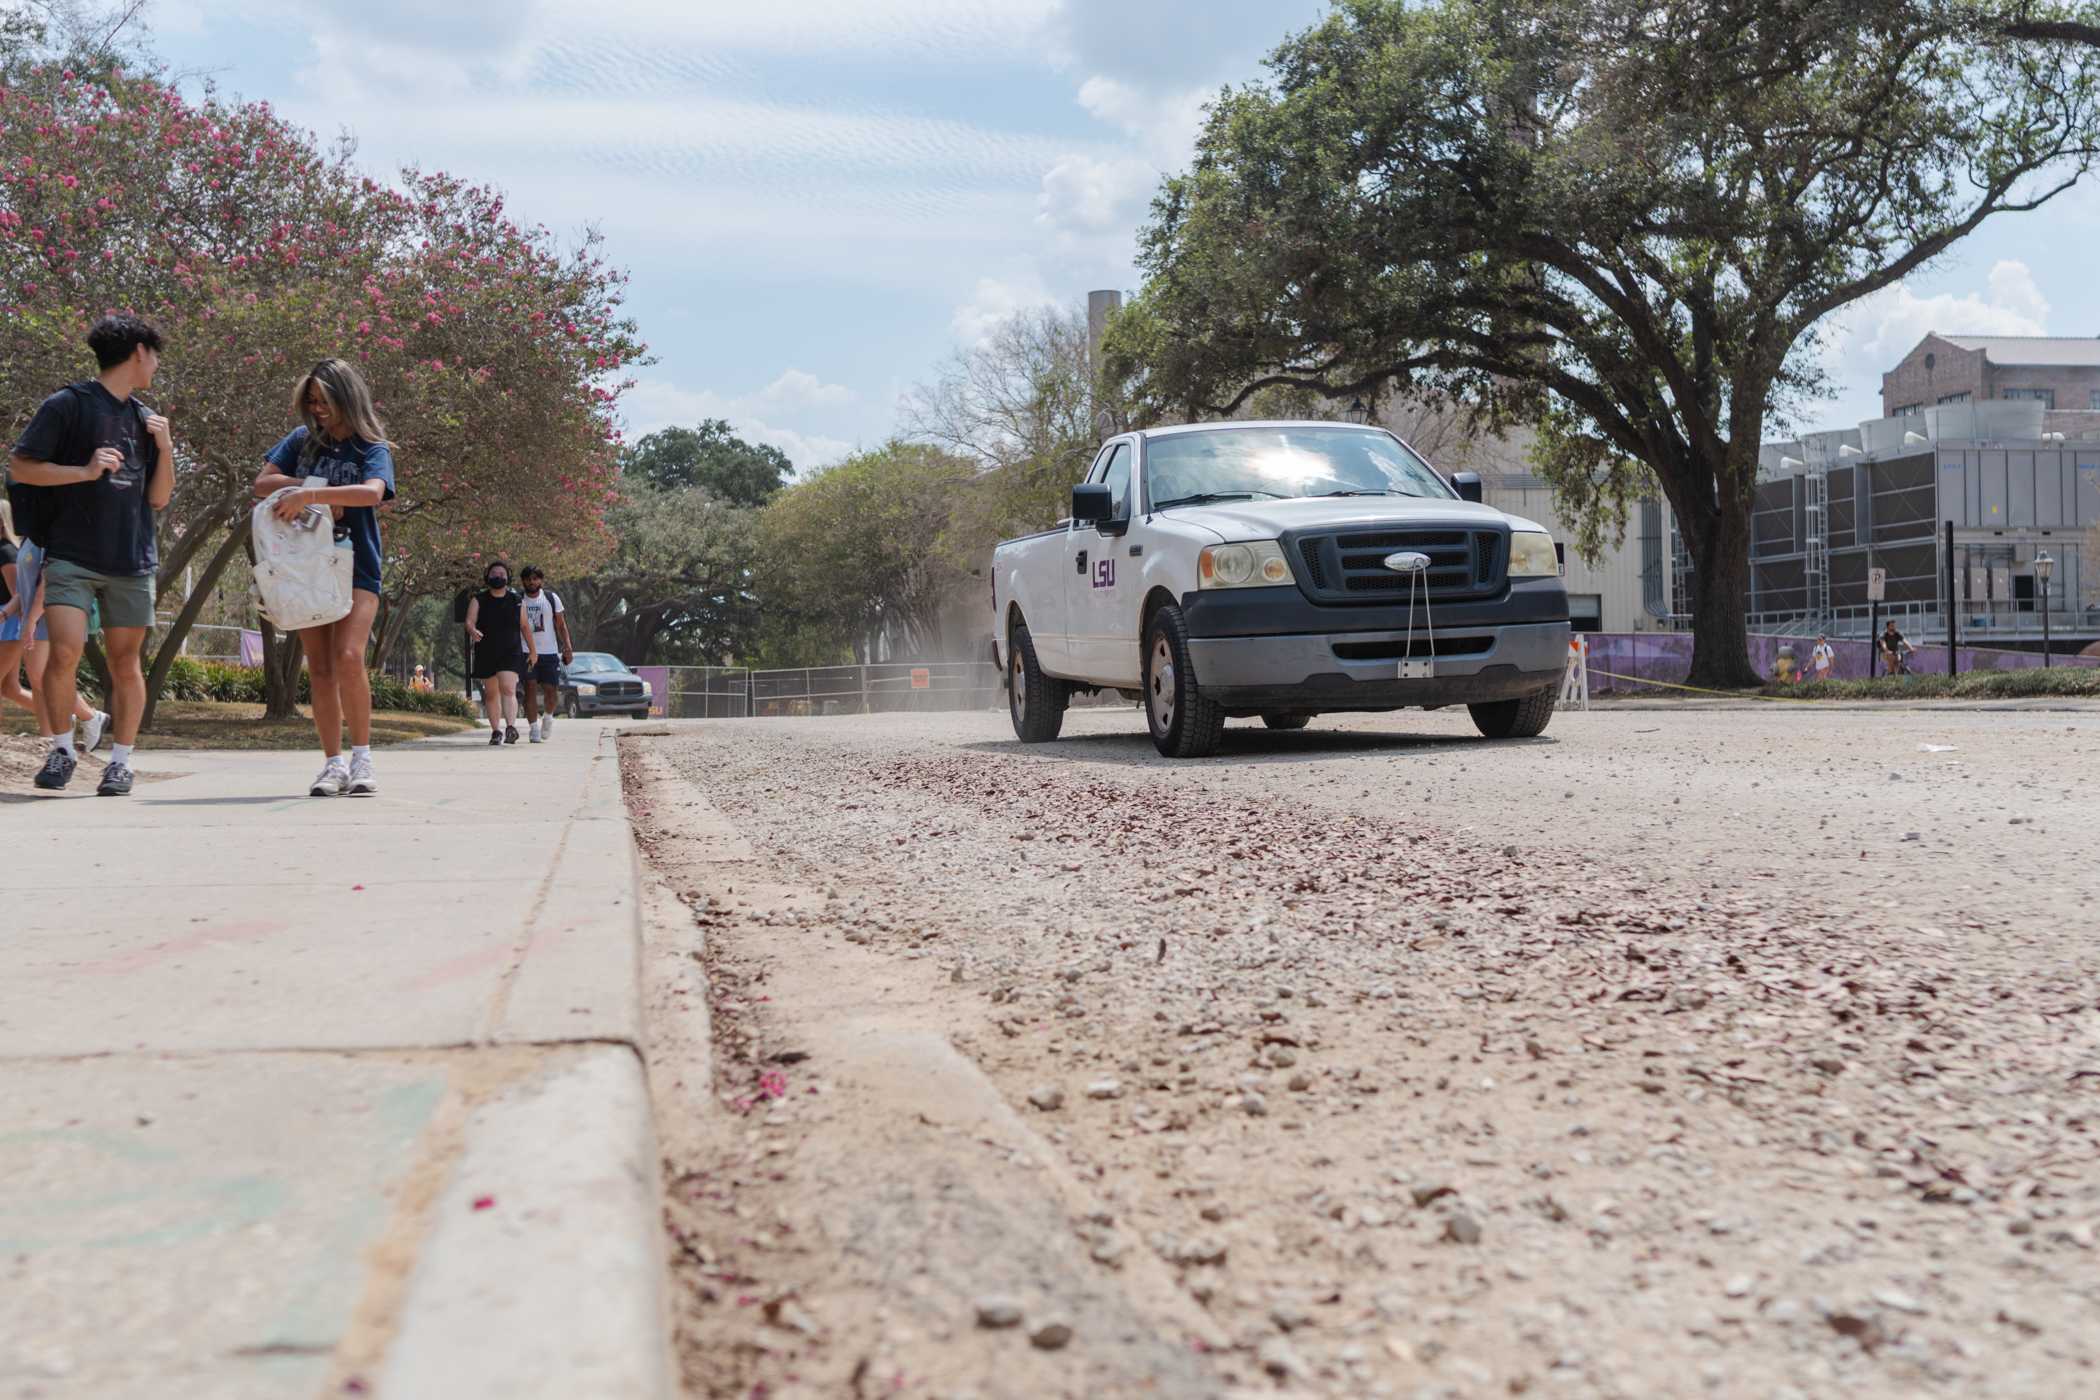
point(1621, 220)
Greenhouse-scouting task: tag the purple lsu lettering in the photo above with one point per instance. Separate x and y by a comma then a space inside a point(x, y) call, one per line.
point(1105, 573)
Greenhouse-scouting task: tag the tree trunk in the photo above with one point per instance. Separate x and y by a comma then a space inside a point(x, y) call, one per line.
point(172, 638)
point(281, 656)
point(1719, 543)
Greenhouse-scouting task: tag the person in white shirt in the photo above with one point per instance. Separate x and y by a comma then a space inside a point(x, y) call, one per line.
point(545, 618)
point(1823, 658)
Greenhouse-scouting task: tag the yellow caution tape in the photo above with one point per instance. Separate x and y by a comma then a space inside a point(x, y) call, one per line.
point(1724, 694)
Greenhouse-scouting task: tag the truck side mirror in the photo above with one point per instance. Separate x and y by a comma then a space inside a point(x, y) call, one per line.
point(1091, 505)
point(1467, 484)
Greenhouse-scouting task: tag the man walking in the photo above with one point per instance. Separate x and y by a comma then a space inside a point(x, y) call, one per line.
point(112, 462)
point(550, 640)
point(1823, 658)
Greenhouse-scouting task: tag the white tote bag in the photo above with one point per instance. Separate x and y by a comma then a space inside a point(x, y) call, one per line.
point(302, 579)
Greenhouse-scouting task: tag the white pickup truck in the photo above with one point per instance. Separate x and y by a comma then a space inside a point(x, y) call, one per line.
point(1281, 570)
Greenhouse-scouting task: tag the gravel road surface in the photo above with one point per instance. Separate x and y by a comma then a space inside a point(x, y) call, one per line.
point(1739, 1052)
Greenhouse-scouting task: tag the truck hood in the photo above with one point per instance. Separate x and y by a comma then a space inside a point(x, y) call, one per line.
point(1259, 520)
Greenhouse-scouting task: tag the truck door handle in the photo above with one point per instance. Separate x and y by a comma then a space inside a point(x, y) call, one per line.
point(1082, 561)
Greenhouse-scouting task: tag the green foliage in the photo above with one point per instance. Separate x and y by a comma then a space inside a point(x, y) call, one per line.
point(853, 550)
point(678, 582)
point(1620, 220)
point(2026, 683)
point(193, 679)
point(710, 458)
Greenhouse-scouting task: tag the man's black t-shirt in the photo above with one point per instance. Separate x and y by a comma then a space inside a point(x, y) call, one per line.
point(105, 524)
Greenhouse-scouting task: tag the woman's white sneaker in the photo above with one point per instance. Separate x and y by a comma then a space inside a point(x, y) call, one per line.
point(363, 783)
point(333, 780)
point(92, 731)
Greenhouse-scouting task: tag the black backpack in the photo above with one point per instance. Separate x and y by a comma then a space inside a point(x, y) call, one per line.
point(36, 508)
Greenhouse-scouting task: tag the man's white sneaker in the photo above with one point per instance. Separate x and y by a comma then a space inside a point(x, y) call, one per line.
point(546, 726)
point(363, 783)
point(532, 732)
point(333, 780)
point(92, 731)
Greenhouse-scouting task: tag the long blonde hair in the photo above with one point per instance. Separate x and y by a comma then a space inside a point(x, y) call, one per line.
point(346, 392)
point(7, 522)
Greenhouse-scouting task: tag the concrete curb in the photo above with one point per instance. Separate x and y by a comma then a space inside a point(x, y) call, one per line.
point(542, 1274)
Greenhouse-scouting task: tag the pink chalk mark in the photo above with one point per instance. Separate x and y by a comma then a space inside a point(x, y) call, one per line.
point(250, 931)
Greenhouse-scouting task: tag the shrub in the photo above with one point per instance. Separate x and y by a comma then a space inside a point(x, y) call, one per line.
point(192, 679)
point(1970, 685)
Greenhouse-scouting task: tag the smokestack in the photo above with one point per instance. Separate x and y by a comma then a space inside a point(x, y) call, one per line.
point(1099, 306)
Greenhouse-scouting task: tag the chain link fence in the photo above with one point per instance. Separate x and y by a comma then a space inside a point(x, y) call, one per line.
point(725, 692)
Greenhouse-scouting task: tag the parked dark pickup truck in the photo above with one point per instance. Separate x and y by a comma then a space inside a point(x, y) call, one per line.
point(599, 683)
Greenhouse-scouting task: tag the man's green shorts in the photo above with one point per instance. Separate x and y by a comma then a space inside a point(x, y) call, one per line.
point(126, 602)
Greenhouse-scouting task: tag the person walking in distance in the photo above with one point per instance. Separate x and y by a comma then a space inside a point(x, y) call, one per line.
point(503, 650)
point(113, 460)
point(1822, 658)
point(549, 626)
point(22, 632)
point(338, 457)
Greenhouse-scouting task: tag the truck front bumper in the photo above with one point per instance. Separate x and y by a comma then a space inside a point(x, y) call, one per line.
point(1515, 646)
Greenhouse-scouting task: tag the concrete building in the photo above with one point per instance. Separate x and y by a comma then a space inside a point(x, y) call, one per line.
point(2061, 373)
point(1831, 506)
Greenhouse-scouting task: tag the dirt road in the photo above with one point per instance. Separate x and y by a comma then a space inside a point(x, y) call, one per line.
point(1731, 1053)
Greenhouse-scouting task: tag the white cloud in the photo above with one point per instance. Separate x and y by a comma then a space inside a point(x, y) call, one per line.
point(657, 403)
point(994, 302)
point(1165, 123)
point(1875, 334)
point(1082, 195)
point(801, 389)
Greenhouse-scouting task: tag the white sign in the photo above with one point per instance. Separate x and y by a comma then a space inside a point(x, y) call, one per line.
point(1877, 585)
point(1979, 589)
point(2001, 582)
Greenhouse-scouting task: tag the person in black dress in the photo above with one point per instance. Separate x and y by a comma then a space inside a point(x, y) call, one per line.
point(503, 651)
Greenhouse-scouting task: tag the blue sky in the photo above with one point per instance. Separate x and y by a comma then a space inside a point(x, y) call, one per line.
point(820, 200)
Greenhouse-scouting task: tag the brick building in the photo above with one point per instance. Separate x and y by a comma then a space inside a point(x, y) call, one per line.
point(2061, 372)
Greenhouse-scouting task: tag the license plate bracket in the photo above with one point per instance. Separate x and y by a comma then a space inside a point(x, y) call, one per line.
point(1417, 668)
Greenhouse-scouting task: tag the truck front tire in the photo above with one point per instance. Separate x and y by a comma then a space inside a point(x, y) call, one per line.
point(1036, 701)
point(1183, 722)
point(1524, 718)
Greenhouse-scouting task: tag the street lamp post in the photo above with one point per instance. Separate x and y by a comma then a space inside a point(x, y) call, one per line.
point(1358, 413)
point(2043, 567)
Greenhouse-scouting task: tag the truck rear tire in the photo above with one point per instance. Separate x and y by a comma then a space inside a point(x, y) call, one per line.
point(1523, 718)
point(1183, 722)
point(1286, 721)
point(1035, 701)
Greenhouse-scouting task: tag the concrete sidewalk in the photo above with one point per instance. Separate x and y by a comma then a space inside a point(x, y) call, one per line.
point(334, 1096)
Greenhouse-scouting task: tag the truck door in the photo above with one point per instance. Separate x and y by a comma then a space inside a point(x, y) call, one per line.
point(1100, 586)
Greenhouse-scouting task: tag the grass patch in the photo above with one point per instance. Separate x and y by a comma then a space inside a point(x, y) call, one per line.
point(211, 724)
point(2035, 682)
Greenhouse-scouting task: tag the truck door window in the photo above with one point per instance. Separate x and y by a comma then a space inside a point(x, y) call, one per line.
point(1117, 480)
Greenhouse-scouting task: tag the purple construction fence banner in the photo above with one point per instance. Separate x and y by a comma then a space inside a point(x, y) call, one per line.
point(251, 648)
point(659, 678)
point(1631, 661)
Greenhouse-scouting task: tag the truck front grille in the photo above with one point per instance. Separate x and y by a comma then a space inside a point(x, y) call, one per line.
point(1394, 648)
point(1348, 566)
point(620, 690)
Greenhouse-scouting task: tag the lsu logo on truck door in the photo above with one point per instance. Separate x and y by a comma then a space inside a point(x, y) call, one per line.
point(1105, 573)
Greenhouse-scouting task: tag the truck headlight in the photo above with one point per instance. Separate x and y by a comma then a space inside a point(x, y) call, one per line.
point(646, 690)
point(1255, 564)
point(586, 688)
point(1531, 555)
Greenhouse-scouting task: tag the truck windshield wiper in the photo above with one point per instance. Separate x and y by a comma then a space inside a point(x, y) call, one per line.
point(1368, 491)
point(1204, 498)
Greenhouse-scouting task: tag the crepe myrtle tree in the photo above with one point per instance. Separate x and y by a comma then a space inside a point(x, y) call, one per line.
point(1621, 221)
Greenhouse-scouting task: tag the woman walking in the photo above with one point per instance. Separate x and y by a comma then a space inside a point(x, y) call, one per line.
point(339, 458)
point(503, 651)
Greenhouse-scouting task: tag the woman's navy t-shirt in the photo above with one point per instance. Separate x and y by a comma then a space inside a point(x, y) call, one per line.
point(352, 462)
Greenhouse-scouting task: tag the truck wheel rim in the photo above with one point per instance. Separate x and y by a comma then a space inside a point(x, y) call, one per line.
point(1020, 686)
point(1161, 686)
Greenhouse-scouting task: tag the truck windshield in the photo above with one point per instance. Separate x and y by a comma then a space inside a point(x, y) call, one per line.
point(1267, 463)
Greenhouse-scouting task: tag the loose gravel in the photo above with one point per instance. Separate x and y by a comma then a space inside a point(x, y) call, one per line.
point(1733, 1053)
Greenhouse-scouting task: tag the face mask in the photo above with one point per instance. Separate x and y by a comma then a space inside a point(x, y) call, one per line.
point(498, 581)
